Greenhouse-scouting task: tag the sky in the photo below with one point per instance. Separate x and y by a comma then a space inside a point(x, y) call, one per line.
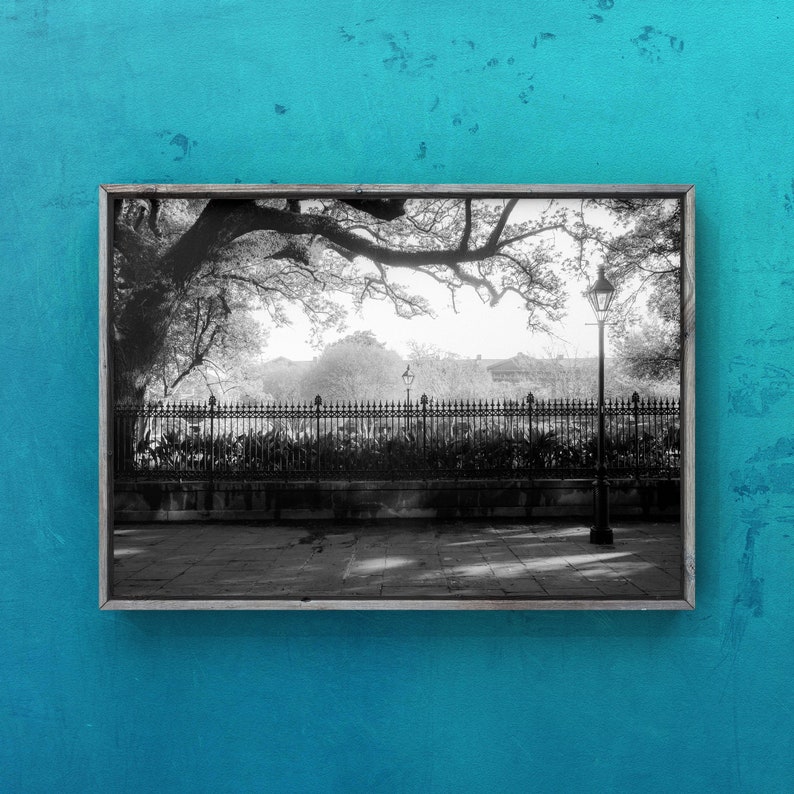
point(477, 329)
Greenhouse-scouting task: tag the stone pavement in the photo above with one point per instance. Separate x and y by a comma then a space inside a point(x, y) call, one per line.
point(420, 559)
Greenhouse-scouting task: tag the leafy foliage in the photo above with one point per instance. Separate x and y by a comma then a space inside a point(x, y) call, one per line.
point(355, 368)
point(237, 254)
point(188, 273)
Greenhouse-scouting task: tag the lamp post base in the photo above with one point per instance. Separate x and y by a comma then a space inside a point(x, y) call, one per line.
point(600, 531)
point(602, 536)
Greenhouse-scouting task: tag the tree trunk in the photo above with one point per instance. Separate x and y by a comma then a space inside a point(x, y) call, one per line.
point(140, 333)
point(129, 387)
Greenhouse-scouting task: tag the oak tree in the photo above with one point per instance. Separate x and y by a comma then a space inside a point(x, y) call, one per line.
point(233, 254)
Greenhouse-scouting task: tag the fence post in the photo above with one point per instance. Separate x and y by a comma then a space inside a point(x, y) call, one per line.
point(423, 400)
point(530, 401)
point(212, 402)
point(635, 399)
point(318, 401)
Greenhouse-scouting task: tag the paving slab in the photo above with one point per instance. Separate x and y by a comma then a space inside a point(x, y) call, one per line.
point(422, 559)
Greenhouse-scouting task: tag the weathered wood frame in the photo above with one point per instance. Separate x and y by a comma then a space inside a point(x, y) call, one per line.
point(685, 193)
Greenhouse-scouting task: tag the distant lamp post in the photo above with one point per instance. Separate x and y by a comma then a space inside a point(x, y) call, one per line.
point(600, 296)
point(408, 379)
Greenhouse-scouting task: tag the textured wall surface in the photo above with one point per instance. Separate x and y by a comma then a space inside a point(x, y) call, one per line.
point(555, 91)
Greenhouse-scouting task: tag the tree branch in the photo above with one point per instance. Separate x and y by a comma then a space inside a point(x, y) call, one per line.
point(223, 221)
point(464, 239)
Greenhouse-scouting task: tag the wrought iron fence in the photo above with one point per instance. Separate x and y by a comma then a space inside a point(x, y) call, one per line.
point(395, 440)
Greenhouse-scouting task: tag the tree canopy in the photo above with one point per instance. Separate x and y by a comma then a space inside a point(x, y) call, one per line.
point(355, 370)
point(445, 376)
point(188, 272)
point(646, 260)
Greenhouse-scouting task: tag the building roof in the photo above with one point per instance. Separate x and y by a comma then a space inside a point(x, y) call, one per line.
point(523, 363)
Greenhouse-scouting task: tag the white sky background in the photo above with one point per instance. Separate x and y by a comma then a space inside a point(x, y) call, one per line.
point(477, 329)
point(493, 332)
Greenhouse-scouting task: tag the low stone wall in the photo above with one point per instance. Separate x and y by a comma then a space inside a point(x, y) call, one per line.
point(441, 499)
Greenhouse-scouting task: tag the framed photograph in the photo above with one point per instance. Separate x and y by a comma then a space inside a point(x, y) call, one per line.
point(397, 397)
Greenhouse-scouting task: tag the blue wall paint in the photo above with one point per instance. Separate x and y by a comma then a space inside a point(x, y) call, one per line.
point(559, 91)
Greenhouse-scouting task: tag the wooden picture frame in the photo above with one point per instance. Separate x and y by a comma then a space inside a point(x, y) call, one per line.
point(167, 256)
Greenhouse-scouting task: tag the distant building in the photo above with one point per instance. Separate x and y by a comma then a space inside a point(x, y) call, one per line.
point(549, 377)
point(518, 369)
point(486, 363)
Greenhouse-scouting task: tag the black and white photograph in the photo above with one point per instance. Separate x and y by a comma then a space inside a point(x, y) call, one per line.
point(391, 397)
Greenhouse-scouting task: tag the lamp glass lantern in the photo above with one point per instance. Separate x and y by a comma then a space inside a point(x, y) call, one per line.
point(600, 296)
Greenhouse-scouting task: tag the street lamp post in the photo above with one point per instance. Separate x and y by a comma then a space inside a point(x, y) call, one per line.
point(600, 296)
point(408, 379)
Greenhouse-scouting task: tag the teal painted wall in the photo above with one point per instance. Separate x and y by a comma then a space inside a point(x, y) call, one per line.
point(554, 91)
